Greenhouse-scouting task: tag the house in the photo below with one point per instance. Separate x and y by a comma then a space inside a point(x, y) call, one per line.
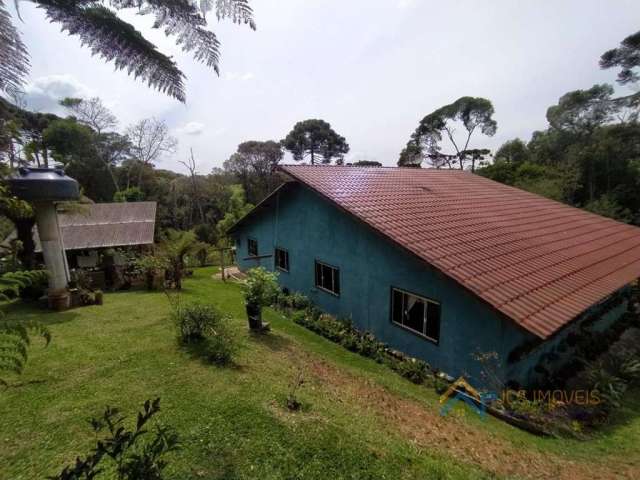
point(444, 264)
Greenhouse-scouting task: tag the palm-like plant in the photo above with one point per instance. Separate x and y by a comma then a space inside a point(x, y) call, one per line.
point(97, 24)
point(175, 247)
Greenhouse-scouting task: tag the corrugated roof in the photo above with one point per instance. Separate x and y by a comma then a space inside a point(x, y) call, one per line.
point(107, 225)
point(537, 261)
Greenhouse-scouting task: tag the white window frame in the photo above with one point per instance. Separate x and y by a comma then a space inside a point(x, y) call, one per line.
point(333, 280)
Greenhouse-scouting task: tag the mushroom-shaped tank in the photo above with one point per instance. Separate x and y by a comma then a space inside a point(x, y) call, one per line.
point(44, 185)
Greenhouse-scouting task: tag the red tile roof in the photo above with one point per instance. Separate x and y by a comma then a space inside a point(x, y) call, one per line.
point(537, 261)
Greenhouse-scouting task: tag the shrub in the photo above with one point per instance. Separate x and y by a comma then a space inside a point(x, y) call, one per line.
point(206, 326)
point(136, 454)
point(299, 301)
point(150, 266)
point(412, 369)
point(261, 287)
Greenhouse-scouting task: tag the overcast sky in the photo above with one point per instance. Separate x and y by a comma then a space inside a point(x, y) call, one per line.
point(371, 68)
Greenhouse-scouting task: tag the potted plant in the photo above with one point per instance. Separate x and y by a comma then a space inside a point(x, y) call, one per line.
point(259, 289)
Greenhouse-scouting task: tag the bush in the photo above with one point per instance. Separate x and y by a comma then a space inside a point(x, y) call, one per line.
point(342, 332)
point(261, 287)
point(206, 326)
point(299, 301)
point(412, 369)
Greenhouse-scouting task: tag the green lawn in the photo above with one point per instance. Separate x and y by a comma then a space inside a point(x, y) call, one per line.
point(360, 421)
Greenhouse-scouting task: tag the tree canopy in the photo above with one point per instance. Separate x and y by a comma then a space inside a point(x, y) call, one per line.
point(425, 144)
point(314, 138)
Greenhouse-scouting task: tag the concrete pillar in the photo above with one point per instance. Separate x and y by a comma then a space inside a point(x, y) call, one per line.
point(52, 249)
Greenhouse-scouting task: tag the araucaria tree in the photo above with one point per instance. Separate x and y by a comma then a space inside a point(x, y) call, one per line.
point(100, 28)
point(315, 139)
point(474, 113)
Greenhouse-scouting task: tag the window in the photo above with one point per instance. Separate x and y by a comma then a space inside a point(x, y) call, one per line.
point(282, 259)
point(327, 278)
point(418, 314)
point(252, 247)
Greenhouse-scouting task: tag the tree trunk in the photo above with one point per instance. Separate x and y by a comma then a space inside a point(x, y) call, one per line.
point(312, 157)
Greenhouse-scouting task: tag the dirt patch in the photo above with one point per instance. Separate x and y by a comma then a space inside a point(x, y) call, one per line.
point(451, 435)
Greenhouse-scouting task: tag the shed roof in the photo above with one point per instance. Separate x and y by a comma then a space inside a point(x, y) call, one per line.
point(107, 225)
point(537, 261)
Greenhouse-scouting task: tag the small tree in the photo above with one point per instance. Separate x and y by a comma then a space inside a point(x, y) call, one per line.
point(316, 139)
point(175, 247)
point(260, 289)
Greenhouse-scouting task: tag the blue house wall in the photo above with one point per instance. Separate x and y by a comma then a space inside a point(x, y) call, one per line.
point(311, 228)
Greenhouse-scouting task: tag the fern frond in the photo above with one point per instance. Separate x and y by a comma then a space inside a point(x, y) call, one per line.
point(115, 40)
point(184, 20)
point(14, 59)
point(14, 347)
point(14, 342)
point(239, 11)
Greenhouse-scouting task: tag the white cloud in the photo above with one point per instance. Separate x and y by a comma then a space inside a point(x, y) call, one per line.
point(44, 93)
point(191, 128)
point(239, 76)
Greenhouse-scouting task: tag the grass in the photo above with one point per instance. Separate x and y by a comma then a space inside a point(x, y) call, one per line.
point(232, 421)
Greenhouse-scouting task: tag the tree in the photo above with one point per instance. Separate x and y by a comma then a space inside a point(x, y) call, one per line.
point(474, 113)
point(580, 112)
point(366, 163)
point(513, 151)
point(132, 194)
point(236, 209)
point(99, 28)
point(175, 247)
point(190, 164)
point(254, 165)
point(315, 138)
point(150, 140)
point(91, 112)
point(626, 56)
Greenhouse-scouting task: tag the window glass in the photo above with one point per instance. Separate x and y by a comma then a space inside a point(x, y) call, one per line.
point(415, 313)
point(433, 320)
point(327, 278)
point(282, 259)
point(252, 247)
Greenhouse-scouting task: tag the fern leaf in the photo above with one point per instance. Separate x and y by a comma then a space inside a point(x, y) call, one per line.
point(14, 59)
point(116, 41)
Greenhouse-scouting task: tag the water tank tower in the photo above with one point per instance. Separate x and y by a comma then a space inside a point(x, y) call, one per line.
point(43, 187)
